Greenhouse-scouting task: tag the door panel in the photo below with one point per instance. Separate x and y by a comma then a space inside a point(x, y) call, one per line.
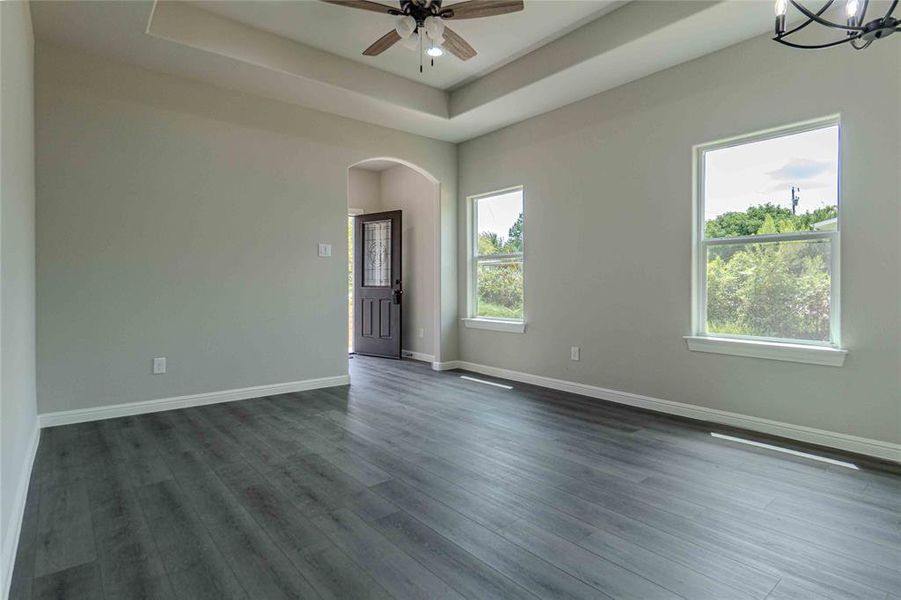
point(377, 284)
point(366, 330)
point(385, 319)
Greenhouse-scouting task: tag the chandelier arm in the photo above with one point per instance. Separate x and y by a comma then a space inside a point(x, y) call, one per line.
point(821, 20)
point(809, 20)
point(814, 47)
point(891, 9)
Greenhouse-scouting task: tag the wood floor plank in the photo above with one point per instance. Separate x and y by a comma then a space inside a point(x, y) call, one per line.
point(65, 536)
point(336, 577)
point(263, 570)
point(192, 561)
point(130, 565)
point(397, 572)
point(460, 569)
point(790, 588)
point(78, 582)
point(504, 556)
point(751, 580)
point(611, 578)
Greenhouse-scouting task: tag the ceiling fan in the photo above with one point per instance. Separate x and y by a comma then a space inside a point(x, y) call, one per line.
point(428, 16)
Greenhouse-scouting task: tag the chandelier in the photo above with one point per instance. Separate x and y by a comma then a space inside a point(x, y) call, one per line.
point(859, 32)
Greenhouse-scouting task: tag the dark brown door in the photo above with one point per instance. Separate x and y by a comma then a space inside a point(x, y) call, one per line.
point(377, 284)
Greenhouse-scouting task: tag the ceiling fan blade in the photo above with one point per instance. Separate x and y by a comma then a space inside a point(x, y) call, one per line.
point(473, 9)
point(382, 44)
point(456, 45)
point(366, 5)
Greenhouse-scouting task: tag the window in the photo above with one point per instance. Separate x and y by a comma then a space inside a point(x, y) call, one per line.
point(497, 260)
point(767, 242)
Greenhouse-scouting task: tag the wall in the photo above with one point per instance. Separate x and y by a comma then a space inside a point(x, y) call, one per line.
point(18, 421)
point(608, 196)
point(364, 189)
point(402, 188)
point(179, 219)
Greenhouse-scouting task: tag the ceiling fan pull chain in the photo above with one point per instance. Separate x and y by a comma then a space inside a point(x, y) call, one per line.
point(420, 52)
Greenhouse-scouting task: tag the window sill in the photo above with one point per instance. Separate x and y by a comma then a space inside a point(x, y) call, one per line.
point(814, 355)
point(496, 325)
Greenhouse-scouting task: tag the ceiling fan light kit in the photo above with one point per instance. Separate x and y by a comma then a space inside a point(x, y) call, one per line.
point(427, 17)
point(411, 42)
point(405, 26)
point(858, 31)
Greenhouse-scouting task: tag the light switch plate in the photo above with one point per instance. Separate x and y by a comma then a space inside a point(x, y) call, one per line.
point(574, 353)
point(325, 250)
point(159, 365)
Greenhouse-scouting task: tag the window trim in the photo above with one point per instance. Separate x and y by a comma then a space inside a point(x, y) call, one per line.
point(473, 320)
point(762, 347)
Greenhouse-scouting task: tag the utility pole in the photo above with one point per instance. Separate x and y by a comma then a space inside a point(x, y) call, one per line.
point(795, 198)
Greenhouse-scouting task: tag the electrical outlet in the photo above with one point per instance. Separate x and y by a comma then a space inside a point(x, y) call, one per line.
point(325, 250)
point(159, 365)
point(420, 332)
point(574, 353)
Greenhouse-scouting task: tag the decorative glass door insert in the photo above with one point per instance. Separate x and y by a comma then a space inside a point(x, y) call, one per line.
point(377, 254)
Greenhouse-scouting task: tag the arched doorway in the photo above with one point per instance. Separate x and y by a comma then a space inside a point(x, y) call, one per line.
point(382, 184)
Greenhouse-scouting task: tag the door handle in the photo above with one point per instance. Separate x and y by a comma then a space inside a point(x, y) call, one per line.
point(398, 293)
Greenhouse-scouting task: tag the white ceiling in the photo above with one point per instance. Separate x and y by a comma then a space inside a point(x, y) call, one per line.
point(347, 32)
point(270, 49)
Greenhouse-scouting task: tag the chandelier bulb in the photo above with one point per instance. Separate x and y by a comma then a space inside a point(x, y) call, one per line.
point(780, 8)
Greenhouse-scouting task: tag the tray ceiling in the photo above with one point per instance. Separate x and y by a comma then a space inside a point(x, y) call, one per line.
point(346, 32)
point(307, 53)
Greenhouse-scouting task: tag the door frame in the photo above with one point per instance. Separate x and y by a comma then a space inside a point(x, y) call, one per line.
point(351, 213)
point(436, 270)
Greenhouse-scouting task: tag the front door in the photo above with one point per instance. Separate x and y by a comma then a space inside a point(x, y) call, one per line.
point(377, 284)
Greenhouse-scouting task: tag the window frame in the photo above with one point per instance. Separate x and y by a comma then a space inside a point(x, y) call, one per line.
point(472, 319)
point(745, 345)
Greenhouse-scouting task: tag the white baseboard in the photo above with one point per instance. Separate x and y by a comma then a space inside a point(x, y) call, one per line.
point(417, 356)
point(17, 512)
point(820, 437)
point(150, 406)
point(449, 365)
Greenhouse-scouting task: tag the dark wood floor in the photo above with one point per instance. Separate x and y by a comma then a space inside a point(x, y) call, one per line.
point(416, 484)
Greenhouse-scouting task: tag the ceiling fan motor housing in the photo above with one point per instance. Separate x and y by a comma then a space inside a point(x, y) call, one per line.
point(422, 9)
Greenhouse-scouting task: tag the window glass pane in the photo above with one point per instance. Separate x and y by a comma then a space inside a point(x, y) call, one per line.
point(499, 287)
point(783, 184)
point(771, 289)
point(377, 253)
point(499, 224)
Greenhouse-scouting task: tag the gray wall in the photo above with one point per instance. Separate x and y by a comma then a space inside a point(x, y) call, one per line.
point(608, 193)
point(18, 422)
point(364, 189)
point(179, 219)
point(404, 189)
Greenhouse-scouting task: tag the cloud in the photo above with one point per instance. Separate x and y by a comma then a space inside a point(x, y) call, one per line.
point(810, 184)
point(801, 170)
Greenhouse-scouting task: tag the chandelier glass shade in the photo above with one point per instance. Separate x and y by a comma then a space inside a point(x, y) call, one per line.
point(858, 29)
